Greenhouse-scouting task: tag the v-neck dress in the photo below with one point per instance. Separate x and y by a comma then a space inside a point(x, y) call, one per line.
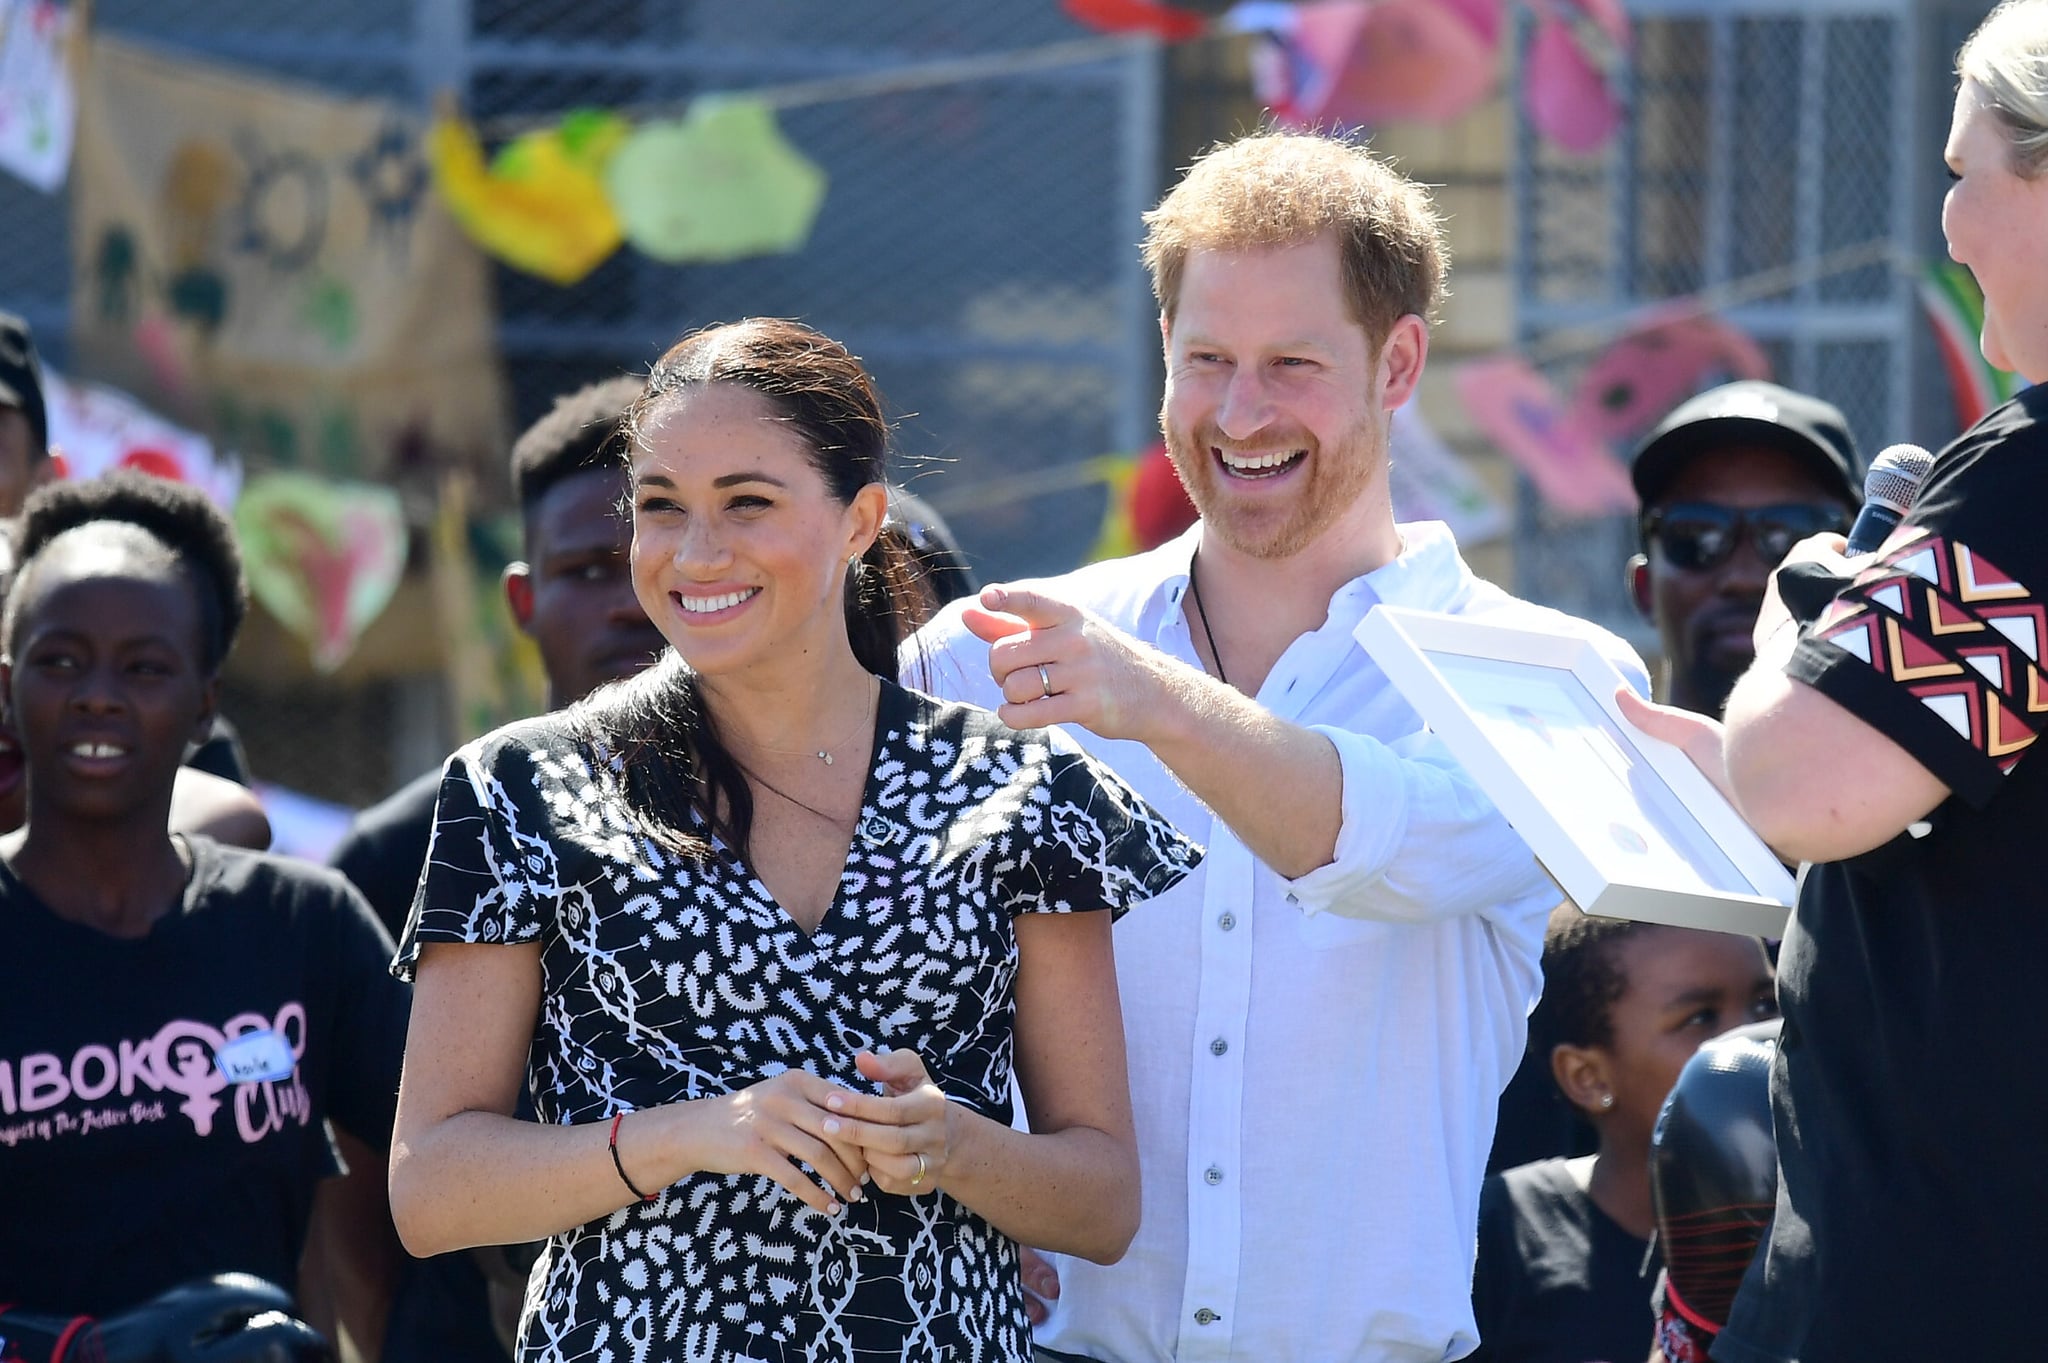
point(666, 979)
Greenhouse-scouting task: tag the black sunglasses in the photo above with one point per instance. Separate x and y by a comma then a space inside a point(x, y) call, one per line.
point(1698, 536)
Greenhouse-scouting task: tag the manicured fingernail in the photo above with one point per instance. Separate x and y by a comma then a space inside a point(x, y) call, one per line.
point(834, 1208)
point(836, 1102)
point(867, 1178)
point(854, 1196)
point(832, 1126)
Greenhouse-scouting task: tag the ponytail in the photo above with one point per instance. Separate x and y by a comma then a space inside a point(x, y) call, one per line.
point(887, 600)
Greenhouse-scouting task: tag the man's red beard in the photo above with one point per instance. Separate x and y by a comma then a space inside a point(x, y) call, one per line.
point(1328, 482)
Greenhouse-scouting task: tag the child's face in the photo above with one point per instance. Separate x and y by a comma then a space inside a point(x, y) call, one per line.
point(1684, 986)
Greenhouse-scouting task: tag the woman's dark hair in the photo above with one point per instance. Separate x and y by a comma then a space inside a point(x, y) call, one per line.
point(1582, 981)
point(662, 745)
point(176, 515)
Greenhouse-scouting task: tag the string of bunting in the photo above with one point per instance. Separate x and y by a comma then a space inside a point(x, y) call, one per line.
point(716, 179)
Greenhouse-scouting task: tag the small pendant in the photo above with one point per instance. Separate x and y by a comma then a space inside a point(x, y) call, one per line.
point(827, 756)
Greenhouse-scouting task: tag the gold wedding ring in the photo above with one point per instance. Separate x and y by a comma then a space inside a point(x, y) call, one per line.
point(921, 1165)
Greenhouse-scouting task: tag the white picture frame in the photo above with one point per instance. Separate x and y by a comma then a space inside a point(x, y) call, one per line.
point(1624, 822)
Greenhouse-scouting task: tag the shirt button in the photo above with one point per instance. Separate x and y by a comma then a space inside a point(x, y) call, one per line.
point(1219, 1047)
point(1206, 1317)
point(1212, 1175)
point(1227, 921)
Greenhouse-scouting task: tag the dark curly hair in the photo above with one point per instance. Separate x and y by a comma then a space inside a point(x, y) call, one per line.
point(175, 515)
point(1582, 981)
point(584, 430)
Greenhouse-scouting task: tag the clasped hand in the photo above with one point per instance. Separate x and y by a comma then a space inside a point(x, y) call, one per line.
point(899, 1139)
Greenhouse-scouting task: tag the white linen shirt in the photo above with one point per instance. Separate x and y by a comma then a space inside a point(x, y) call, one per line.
point(1315, 1063)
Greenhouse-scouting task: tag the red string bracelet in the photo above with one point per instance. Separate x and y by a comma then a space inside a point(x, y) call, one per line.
point(613, 1141)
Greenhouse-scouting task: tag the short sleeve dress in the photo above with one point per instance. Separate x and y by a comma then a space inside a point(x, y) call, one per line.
point(666, 979)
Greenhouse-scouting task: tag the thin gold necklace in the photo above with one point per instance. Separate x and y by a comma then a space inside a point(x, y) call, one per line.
point(825, 754)
point(836, 821)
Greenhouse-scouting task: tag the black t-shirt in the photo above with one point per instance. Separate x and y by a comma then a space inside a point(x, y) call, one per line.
point(1910, 1078)
point(386, 847)
point(1557, 1281)
point(162, 1098)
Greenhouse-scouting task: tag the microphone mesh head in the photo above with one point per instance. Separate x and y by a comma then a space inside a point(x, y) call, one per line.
point(1895, 476)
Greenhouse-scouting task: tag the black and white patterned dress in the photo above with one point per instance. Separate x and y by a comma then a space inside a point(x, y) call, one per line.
point(666, 979)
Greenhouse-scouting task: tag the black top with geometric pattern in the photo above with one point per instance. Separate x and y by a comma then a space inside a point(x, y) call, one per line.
point(666, 979)
point(1910, 1074)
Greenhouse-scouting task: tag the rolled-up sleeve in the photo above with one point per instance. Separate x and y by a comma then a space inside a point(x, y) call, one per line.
point(1419, 840)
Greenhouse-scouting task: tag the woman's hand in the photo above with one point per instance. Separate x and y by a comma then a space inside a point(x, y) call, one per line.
point(766, 1128)
point(905, 1132)
point(1698, 736)
point(1826, 549)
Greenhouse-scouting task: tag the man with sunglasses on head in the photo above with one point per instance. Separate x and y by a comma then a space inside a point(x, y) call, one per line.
point(1729, 482)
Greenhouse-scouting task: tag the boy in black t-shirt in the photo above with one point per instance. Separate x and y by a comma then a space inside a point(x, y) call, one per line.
point(1565, 1265)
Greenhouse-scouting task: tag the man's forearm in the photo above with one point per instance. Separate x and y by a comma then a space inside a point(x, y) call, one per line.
point(1278, 786)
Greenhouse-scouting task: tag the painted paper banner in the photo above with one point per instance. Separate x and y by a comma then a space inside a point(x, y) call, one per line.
point(540, 204)
point(1117, 537)
point(1657, 364)
point(1428, 481)
point(1136, 16)
point(1362, 63)
point(38, 109)
point(1564, 91)
point(267, 264)
point(1533, 425)
point(322, 556)
point(721, 184)
point(98, 430)
point(1955, 305)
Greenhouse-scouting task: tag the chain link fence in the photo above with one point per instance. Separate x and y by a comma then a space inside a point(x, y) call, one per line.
point(1782, 162)
point(976, 246)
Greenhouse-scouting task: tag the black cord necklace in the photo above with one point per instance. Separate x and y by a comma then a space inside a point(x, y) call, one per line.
point(1202, 614)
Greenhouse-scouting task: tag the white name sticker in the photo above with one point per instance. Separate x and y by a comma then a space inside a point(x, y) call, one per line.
point(254, 1057)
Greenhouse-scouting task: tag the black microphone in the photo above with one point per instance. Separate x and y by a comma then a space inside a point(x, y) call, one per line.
point(1888, 491)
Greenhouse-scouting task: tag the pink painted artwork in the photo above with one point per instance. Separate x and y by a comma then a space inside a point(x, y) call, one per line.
point(1533, 425)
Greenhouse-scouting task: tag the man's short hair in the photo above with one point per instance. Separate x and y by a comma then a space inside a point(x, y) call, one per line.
point(1282, 189)
point(583, 431)
point(21, 381)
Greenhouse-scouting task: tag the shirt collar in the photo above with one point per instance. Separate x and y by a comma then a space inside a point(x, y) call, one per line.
point(1428, 574)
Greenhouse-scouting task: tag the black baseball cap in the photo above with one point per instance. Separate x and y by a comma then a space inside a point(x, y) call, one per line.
point(1750, 412)
point(21, 378)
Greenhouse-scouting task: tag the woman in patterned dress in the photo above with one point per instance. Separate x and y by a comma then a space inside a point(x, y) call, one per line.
point(763, 933)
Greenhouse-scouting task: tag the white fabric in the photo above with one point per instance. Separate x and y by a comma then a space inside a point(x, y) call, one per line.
point(1332, 1059)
